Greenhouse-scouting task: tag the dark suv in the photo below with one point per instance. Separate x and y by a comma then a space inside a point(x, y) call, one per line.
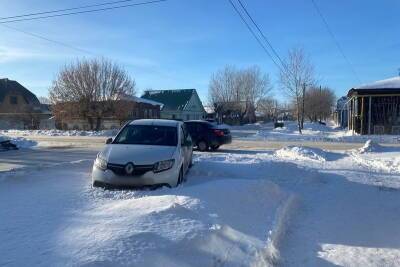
point(206, 135)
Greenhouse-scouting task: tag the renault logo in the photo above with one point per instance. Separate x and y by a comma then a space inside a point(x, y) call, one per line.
point(129, 168)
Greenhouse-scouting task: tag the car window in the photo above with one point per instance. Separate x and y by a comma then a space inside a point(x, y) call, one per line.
point(148, 135)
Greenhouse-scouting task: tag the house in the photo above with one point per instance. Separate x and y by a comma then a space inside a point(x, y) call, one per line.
point(69, 116)
point(210, 113)
point(375, 108)
point(180, 104)
point(341, 112)
point(19, 108)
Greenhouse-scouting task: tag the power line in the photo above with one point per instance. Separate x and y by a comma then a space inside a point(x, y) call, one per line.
point(255, 35)
point(82, 12)
point(262, 34)
point(50, 40)
point(63, 10)
point(335, 40)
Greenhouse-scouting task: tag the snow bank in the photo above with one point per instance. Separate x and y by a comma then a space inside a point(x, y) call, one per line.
point(105, 133)
point(371, 146)
point(301, 153)
point(312, 132)
point(19, 141)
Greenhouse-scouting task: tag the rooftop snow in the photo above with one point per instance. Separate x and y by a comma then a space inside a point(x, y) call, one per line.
point(391, 83)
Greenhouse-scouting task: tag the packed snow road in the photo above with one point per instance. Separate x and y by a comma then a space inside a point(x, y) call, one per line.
point(296, 206)
point(96, 142)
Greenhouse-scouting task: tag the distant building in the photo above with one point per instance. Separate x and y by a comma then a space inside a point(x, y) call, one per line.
point(180, 104)
point(19, 108)
point(341, 112)
point(375, 108)
point(69, 117)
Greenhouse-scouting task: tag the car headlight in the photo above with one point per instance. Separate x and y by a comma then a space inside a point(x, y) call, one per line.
point(163, 165)
point(100, 163)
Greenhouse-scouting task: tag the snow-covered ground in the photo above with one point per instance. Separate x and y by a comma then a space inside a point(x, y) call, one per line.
point(58, 133)
point(20, 142)
point(296, 206)
point(312, 132)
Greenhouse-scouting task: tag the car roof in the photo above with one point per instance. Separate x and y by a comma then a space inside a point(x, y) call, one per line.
point(198, 121)
point(156, 122)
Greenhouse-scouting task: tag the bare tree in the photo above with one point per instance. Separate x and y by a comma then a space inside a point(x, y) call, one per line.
point(88, 83)
point(44, 100)
point(238, 91)
point(319, 103)
point(297, 74)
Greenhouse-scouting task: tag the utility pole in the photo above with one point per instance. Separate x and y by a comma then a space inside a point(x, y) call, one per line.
point(320, 103)
point(303, 105)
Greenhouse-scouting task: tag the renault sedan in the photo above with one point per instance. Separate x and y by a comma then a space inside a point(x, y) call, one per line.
point(145, 153)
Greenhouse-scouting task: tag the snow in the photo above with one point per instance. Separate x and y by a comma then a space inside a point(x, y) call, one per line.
point(147, 101)
point(53, 132)
point(312, 132)
point(301, 153)
point(296, 206)
point(56, 217)
point(391, 83)
point(20, 142)
point(371, 146)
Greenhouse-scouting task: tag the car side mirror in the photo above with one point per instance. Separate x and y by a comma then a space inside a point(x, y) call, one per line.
point(109, 141)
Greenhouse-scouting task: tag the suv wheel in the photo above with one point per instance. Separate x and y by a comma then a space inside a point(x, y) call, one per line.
point(202, 145)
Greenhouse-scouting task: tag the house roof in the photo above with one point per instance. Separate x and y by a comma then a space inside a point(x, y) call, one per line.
point(141, 100)
point(7, 86)
point(387, 86)
point(172, 99)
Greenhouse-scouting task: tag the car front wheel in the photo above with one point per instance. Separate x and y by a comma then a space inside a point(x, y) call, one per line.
point(180, 177)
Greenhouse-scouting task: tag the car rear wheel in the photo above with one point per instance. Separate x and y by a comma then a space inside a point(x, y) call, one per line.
point(202, 145)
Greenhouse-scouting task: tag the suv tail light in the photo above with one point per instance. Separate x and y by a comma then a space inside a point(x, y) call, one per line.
point(219, 132)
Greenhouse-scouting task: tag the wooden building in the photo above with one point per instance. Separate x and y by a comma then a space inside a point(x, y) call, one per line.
point(19, 107)
point(375, 108)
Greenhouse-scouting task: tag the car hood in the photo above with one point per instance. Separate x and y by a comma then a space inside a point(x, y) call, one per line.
point(137, 154)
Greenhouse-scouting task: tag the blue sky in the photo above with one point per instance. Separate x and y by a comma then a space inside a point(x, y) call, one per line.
point(179, 43)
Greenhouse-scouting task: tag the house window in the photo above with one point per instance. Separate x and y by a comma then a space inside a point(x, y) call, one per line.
point(13, 100)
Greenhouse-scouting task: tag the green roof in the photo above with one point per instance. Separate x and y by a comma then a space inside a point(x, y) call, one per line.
point(172, 99)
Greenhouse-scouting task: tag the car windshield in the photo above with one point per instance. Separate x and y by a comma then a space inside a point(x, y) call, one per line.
point(148, 135)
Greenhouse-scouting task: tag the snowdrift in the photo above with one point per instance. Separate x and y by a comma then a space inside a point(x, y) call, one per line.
point(208, 221)
point(105, 133)
point(20, 142)
point(371, 146)
point(302, 153)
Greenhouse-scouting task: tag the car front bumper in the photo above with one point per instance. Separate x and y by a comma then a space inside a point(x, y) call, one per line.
point(108, 177)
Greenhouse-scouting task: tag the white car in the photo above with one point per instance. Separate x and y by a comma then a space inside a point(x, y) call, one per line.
point(145, 152)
